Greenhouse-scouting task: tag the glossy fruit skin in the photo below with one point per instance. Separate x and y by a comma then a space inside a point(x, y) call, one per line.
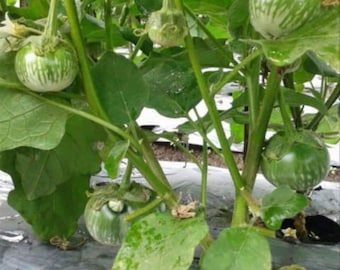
point(105, 225)
point(46, 71)
point(166, 27)
point(300, 161)
point(276, 18)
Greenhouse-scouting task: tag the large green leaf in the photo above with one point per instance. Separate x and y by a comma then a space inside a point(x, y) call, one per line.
point(159, 241)
point(42, 171)
point(321, 35)
point(173, 87)
point(53, 215)
point(57, 212)
point(280, 204)
point(238, 249)
point(27, 121)
point(120, 88)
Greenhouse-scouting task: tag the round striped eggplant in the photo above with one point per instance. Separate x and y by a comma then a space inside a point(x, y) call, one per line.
point(167, 26)
point(276, 18)
point(300, 161)
point(46, 71)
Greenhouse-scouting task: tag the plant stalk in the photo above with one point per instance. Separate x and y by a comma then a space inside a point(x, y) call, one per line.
point(228, 77)
point(50, 30)
point(76, 36)
point(252, 79)
point(213, 112)
point(257, 135)
point(144, 210)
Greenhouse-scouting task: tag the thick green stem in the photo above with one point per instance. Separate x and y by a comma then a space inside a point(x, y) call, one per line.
point(88, 84)
point(126, 179)
point(252, 79)
point(313, 125)
point(51, 24)
point(213, 113)
point(257, 136)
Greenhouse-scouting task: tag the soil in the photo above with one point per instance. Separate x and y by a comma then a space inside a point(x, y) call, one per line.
point(165, 151)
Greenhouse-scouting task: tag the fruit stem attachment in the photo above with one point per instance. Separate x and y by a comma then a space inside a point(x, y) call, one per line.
point(126, 179)
point(168, 4)
point(142, 211)
point(50, 31)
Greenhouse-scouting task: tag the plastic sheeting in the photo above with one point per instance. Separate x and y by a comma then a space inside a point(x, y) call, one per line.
point(21, 250)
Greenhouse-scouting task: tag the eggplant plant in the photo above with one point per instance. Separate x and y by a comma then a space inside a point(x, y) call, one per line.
point(69, 103)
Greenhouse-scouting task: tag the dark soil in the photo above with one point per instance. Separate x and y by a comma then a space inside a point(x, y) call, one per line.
point(165, 151)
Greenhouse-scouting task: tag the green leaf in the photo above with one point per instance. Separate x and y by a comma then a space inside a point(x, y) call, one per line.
point(315, 66)
point(94, 31)
point(159, 241)
point(120, 88)
point(321, 35)
point(115, 157)
point(42, 171)
point(238, 18)
point(173, 87)
point(7, 71)
point(36, 9)
point(148, 6)
point(329, 126)
point(235, 249)
point(53, 215)
point(56, 214)
point(280, 204)
point(295, 99)
point(27, 121)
